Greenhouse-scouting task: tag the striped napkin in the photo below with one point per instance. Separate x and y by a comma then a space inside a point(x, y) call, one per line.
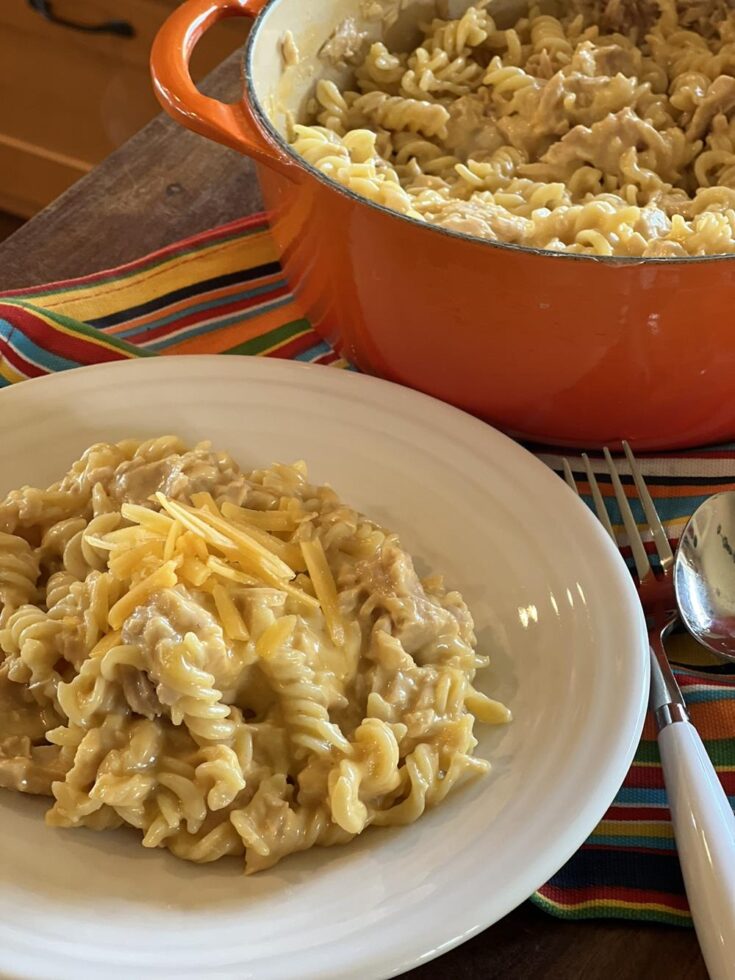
point(225, 292)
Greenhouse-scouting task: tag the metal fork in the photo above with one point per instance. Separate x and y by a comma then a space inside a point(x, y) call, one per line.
point(701, 815)
point(655, 588)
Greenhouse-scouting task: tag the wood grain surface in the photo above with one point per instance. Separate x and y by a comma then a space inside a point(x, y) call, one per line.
point(70, 97)
point(162, 185)
point(166, 184)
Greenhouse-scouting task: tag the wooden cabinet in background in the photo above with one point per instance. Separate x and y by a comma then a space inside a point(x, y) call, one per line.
point(68, 98)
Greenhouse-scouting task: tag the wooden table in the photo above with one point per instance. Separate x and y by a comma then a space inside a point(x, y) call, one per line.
point(166, 184)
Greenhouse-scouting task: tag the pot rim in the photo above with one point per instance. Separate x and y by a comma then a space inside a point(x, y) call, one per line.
point(542, 253)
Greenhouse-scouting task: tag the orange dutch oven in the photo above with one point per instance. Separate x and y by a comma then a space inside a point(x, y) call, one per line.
point(563, 349)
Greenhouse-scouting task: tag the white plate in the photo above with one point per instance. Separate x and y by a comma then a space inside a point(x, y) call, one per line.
point(553, 602)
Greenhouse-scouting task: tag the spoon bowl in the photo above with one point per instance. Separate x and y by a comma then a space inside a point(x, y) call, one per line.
point(704, 574)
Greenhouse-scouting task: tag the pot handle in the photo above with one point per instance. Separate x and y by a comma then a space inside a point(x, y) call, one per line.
point(233, 124)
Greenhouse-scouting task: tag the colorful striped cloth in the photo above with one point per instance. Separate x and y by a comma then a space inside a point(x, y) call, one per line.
point(222, 292)
point(225, 292)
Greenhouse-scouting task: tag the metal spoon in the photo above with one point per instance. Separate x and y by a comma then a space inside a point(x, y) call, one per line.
point(704, 574)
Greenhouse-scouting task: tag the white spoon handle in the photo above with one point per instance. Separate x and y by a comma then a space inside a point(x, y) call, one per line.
point(704, 827)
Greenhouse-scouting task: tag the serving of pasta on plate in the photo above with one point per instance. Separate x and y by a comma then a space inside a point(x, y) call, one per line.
point(230, 663)
point(601, 127)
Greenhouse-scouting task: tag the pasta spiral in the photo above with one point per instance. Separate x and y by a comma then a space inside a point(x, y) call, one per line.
point(454, 37)
point(381, 71)
point(302, 699)
point(19, 571)
point(188, 688)
point(397, 113)
point(29, 642)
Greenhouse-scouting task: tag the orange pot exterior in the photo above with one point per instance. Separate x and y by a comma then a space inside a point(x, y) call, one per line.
point(548, 347)
point(545, 347)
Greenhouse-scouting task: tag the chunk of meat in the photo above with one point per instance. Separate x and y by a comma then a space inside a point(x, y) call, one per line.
point(609, 59)
point(162, 622)
point(576, 98)
point(719, 99)
point(493, 223)
point(20, 714)
point(178, 476)
point(28, 768)
point(470, 129)
point(603, 144)
point(627, 15)
point(346, 44)
point(417, 619)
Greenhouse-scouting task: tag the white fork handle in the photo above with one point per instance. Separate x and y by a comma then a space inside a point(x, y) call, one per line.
point(704, 827)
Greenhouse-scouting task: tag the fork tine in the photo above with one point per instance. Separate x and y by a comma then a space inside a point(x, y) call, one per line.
point(663, 547)
point(568, 475)
point(642, 564)
point(600, 508)
point(599, 503)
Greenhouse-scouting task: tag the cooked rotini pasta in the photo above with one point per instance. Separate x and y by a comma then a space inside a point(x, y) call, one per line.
point(229, 663)
point(603, 127)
